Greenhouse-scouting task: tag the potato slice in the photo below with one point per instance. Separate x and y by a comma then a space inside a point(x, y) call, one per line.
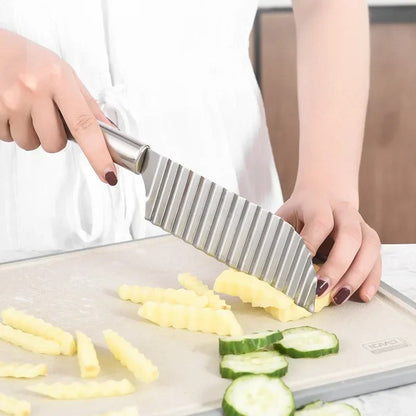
point(216, 321)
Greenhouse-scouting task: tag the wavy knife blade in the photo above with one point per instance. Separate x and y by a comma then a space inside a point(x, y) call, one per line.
point(221, 223)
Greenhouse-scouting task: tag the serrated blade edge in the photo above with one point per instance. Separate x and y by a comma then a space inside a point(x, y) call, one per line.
point(226, 226)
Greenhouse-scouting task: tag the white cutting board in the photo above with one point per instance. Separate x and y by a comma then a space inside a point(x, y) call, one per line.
point(78, 290)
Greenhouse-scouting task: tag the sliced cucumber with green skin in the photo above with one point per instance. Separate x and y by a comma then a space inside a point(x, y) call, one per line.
point(249, 342)
point(307, 342)
point(269, 363)
point(320, 408)
point(258, 395)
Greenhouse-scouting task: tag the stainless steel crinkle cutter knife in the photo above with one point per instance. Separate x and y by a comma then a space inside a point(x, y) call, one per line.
point(219, 222)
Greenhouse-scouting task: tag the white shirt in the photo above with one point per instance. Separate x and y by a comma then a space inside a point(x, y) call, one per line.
point(176, 75)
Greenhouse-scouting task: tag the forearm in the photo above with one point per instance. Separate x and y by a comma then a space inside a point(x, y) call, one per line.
point(333, 82)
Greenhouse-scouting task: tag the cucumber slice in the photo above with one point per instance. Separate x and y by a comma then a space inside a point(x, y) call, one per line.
point(270, 363)
point(306, 341)
point(320, 408)
point(249, 342)
point(258, 395)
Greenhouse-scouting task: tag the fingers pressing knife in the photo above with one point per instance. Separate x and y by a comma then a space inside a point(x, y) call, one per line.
point(354, 262)
point(80, 112)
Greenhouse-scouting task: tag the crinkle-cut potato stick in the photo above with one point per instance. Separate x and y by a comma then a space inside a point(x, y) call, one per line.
point(293, 313)
point(22, 370)
point(127, 411)
point(191, 282)
point(251, 290)
point(141, 294)
point(131, 357)
point(322, 302)
point(28, 323)
point(84, 390)
point(87, 356)
point(296, 312)
point(29, 342)
point(15, 407)
point(216, 321)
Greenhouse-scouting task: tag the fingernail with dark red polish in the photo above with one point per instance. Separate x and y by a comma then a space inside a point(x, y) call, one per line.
point(320, 258)
point(321, 286)
point(114, 124)
point(111, 178)
point(342, 295)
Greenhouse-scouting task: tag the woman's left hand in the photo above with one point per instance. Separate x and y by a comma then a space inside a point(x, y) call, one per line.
point(354, 261)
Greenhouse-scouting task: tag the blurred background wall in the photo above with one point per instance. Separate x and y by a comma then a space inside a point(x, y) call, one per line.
point(388, 167)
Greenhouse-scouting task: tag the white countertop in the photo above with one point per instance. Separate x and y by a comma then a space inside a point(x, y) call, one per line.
point(288, 3)
point(399, 271)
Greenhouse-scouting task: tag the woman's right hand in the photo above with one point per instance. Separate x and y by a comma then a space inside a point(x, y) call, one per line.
point(37, 90)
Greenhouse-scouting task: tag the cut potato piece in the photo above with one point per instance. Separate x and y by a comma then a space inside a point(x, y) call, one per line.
point(127, 411)
point(29, 342)
point(84, 390)
point(12, 406)
point(296, 312)
point(141, 294)
point(293, 313)
point(35, 326)
point(130, 357)
point(87, 356)
point(251, 290)
point(216, 321)
point(191, 282)
point(22, 370)
point(322, 302)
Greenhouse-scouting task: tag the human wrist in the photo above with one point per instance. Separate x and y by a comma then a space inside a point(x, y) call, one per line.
point(331, 187)
point(332, 170)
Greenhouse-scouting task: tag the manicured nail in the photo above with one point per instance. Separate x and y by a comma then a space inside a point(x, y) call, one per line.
point(342, 295)
point(114, 124)
point(111, 178)
point(321, 287)
point(320, 258)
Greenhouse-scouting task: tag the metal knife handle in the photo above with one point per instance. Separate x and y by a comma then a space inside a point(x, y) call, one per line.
point(124, 150)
